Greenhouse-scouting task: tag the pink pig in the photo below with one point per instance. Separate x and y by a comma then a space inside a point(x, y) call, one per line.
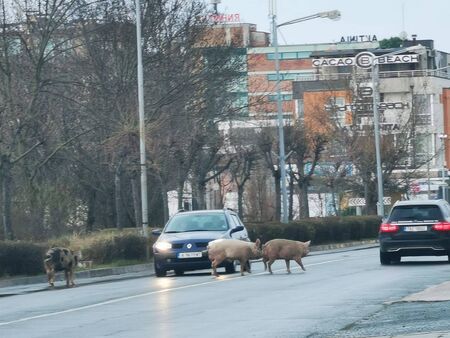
point(284, 249)
point(232, 249)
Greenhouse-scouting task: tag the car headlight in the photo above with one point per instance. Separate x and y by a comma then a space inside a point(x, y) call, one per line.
point(163, 246)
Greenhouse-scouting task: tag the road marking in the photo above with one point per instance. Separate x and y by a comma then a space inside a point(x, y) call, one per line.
point(117, 300)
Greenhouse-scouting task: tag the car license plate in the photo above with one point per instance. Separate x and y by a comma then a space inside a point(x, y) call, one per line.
point(416, 228)
point(189, 255)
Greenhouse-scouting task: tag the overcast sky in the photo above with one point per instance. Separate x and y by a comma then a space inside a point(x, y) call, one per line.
point(429, 19)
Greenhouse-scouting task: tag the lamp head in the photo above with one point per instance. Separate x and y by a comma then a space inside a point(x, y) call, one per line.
point(333, 15)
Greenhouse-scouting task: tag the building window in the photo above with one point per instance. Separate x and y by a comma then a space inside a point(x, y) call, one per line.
point(290, 76)
point(284, 97)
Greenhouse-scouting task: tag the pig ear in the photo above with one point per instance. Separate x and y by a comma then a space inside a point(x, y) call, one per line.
point(258, 243)
point(308, 243)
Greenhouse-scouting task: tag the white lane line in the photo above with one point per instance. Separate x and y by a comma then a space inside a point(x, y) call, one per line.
point(122, 299)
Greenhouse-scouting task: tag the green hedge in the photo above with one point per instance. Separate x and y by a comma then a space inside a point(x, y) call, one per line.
point(319, 230)
point(21, 258)
point(116, 247)
point(25, 258)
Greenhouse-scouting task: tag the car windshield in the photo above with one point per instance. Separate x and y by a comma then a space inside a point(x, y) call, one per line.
point(197, 222)
point(410, 213)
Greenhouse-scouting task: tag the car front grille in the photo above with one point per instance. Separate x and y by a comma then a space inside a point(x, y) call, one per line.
point(177, 245)
point(201, 244)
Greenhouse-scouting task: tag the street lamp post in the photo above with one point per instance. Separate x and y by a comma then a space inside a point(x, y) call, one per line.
point(443, 138)
point(334, 15)
point(144, 204)
point(376, 121)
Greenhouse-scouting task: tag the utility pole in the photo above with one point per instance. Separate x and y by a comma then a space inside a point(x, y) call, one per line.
point(140, 73)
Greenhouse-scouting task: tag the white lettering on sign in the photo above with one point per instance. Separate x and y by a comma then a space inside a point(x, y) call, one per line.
point(350, 61)
point(365, 60)
point(413, 58)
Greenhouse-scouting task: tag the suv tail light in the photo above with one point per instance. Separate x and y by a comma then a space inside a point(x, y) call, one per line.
point(441, 226)
point(387, 227)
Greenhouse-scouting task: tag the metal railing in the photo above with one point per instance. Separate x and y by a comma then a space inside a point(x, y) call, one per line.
point(442, 73)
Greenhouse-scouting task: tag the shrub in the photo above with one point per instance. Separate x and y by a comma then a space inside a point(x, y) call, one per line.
point(319, 230)
point(110, 247)
point(21, 258)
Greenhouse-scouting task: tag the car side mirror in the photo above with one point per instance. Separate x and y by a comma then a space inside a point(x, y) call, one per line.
point(237, 229)
point(156, 232)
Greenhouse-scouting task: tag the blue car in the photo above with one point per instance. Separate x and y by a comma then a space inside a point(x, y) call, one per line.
point(181, 245)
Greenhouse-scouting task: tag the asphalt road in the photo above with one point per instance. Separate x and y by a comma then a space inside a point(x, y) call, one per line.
point(344, 294)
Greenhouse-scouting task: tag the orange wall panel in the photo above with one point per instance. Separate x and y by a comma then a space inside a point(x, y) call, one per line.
point(259, 62)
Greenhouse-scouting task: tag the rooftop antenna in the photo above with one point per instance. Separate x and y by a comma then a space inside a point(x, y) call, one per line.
point(403, 35)
point(215, 3)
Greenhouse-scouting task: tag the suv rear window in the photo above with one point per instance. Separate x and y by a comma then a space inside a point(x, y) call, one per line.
point(409, 213)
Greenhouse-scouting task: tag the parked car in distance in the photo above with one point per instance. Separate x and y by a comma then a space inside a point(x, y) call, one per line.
point(181, 245)
point(415, 228)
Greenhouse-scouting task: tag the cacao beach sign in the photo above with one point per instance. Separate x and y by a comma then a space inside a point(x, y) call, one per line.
point(365, 60)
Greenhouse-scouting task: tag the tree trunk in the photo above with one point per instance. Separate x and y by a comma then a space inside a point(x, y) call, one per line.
point(5, 178)
point(277, 176)
point(91, 210)
point(136, 201)
point(291, 195)
point(241, 201)
point(180, 194)
point(118, 197)
point(165, 202)
point(303, 199)
point(201, 189)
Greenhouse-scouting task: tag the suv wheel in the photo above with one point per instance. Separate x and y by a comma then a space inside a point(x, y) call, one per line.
point(386, 258)
point(160, 272)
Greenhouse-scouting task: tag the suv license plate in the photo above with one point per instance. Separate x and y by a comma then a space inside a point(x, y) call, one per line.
point(416, 228)
point(189, 255)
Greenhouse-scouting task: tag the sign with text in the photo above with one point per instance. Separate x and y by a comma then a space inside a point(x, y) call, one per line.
point(224, 18)
point(365, 60)
point(359, 38)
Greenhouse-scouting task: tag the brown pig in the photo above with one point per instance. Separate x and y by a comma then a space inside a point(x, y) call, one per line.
point(220, 250)
point(284, 249)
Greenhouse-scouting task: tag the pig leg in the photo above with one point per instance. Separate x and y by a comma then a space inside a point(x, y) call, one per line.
point(269, 264)
point(66, 275)
point(72, 283)
point(299, 262)
point(287, 265)
point(265, 263)
point(243, 263)
point(214, 264)
point(51, 277)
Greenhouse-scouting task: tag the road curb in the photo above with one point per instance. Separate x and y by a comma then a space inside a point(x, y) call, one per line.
point(93, 273)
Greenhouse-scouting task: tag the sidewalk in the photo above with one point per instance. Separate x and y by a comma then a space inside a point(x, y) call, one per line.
point(437, 334)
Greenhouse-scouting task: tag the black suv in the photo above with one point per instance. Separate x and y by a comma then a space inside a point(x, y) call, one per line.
point(182, 243)
point(415, 228)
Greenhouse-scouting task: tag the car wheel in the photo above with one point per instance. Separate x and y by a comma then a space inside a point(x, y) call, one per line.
point(179, 272)
point(385, 258)
point(230, 267)
point(160, 272)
